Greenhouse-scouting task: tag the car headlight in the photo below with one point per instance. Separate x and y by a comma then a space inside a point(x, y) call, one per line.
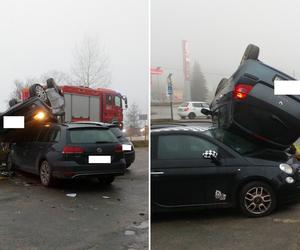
point(286, 168)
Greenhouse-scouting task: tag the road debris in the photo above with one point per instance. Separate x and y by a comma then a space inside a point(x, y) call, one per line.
point(129, 232)
point(73, 195)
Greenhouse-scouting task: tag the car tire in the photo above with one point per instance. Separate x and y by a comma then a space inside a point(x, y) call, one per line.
point(257, 199)
point(46, 174)
point(192, 116)
point(251, 52)
point(38, 90)
point(106, 180)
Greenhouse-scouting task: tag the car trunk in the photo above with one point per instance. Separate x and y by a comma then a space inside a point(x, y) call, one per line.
point(104, 143)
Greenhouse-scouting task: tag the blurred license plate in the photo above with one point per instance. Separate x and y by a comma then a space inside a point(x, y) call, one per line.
point(99, 159)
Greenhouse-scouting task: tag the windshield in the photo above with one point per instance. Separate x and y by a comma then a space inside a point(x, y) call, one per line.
point(237, 143)
point(88, 135)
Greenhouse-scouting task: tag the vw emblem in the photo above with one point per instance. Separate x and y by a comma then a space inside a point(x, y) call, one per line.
point(99, 150)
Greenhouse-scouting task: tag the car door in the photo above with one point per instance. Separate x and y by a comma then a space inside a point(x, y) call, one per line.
point(180, 176)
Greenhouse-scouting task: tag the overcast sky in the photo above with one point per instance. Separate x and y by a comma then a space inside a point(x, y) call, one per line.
point(218, 32)
point(38, 36)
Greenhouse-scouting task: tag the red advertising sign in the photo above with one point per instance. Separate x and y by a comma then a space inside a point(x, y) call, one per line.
point(186, 60)
point(157, 71)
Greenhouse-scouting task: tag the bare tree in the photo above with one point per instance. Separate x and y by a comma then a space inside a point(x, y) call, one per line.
point(91, 65)
point(60, 77)
point(19, 85)
point(132, 116)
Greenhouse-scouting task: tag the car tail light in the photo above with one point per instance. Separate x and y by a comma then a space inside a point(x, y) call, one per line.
point(186, 109)
point(241, 91)
point(73, 150)
point(118, 148)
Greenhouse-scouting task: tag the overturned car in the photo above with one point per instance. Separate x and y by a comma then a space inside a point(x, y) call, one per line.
point(245, 103)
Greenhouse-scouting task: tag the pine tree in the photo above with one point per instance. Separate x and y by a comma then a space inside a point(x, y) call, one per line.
point(199, 91)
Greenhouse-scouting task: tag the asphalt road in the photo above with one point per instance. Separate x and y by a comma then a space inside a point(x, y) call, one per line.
point(226, 229)
point(33, 217)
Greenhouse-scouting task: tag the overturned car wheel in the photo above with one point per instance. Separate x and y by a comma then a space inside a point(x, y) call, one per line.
point(251, 52)
point(38, 90)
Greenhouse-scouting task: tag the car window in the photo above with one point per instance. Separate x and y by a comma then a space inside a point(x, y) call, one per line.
point(54, 135)
point(109, 100)
point(237, 143)
point(117, 132)
point(118, 101)
point(183, 147)
point(186, 104)
point(205, 105)
point(91, 135)
point(197, 105)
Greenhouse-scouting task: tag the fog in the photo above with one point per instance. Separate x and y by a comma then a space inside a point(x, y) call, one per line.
point(218, 32)
point(38, 36)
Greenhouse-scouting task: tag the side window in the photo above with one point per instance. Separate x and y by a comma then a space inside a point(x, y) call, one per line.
point(118, 101)
point(183, 147)
point(54, 135)
point(109, 100)
point(197, 105)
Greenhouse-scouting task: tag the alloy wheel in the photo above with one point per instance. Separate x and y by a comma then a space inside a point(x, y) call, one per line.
point(45, 174)
point(257, 200)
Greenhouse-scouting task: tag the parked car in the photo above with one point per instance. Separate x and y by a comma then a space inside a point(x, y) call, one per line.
point(68, 151)
point(246, 103)
point(128, 147)
point(192, 109)
point(193, 167)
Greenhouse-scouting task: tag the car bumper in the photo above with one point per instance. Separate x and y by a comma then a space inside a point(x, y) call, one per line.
point(71, 169)
point(129, 157)
point(182, 113)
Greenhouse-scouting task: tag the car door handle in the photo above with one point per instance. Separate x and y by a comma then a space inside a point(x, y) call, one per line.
point(157, 173)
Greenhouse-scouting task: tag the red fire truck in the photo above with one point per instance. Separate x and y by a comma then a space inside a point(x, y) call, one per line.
point(87, 104)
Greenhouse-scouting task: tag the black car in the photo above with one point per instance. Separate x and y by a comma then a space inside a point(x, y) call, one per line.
point(193, 167)
point(128, 147)
point(246, 103)
point(68, 151)
point(34, 110)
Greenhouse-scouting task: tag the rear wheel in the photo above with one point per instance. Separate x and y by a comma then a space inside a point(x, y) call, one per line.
point(251, 52)
point(257, 199)
point(192, 115)
point(106, 180)
point(38, 90)
point(46, 174)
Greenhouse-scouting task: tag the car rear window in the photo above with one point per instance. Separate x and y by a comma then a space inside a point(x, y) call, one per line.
point(237, 143)
point(91, 135)
point(184, 104)
point(117, 132)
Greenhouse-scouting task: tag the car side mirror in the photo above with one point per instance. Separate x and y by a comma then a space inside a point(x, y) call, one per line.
point(206, 111)
point(211, 154)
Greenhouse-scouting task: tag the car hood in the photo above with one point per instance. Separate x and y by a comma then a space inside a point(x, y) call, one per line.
point(28, 109)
